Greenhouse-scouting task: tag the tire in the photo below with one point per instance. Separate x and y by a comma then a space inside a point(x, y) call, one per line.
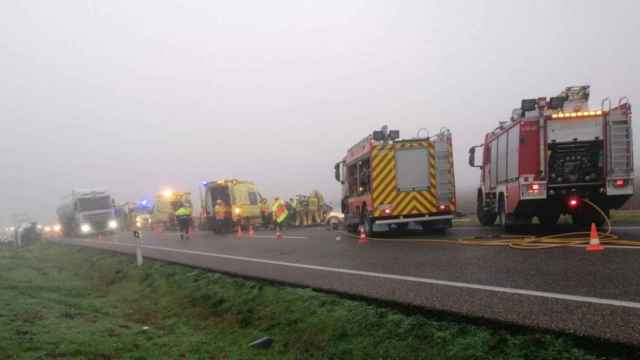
point(585, 217)
point(485, 217)
point(506, 221)
point(549, 219)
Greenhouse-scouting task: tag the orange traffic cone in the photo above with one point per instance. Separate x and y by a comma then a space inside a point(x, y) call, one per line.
point(363, 240)
point(239, 232)
point(251, 233)
point(594, 241)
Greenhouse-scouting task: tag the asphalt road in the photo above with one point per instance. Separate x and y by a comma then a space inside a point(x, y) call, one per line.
point(565, 289)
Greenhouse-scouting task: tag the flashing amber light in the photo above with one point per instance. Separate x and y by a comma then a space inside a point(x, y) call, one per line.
point(576, 114)
point(387, 211)
point(167, 194)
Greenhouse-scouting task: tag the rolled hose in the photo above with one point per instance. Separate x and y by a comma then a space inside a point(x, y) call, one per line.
point(556, 240)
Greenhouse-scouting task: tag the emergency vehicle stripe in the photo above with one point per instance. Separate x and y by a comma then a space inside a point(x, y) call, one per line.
point(402, 207)
point(384, 190)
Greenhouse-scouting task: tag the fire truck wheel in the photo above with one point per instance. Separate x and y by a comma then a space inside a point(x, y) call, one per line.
point(507, 221)
point(549, 218)
point(485, 217)
point(586, 216)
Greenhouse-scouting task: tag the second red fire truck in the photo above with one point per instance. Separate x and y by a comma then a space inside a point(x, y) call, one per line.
point(553, 154)
point(394, 182)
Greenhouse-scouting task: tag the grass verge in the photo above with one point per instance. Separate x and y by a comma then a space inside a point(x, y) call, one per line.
point(71, 302)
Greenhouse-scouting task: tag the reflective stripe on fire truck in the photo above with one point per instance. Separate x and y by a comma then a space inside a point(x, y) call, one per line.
point(384, 189)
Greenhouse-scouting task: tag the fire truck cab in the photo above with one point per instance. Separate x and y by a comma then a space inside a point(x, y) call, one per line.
point(395, 182)
point(551, 156)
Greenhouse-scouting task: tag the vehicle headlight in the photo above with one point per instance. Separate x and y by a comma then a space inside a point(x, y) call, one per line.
point(57, 228)
point(85, 228)
point(112, 224)
point(47, 228)
point(237, 211)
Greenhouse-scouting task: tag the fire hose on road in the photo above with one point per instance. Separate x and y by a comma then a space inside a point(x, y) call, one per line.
point(528, 242)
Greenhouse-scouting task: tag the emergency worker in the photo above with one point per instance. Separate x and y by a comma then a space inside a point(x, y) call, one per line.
point(291, 208)
point(280, 213)
point(314, 209)
point(183, 218)
point(219, 212)
point(301, 214)
point(265, 213)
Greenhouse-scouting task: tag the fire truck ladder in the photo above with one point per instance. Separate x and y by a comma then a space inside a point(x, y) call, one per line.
point(443, 167)
point(620, 147)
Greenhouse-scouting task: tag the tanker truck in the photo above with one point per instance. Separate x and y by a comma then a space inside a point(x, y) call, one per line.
point(87, 211)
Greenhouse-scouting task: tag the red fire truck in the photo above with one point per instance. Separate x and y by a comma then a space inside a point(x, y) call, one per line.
point(553, 154)
point(393, 182)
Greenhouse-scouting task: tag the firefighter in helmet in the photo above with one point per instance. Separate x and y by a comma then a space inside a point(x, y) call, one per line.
point(314, 209)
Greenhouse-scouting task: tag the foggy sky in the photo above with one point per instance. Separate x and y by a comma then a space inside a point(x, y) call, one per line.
point(136, 96)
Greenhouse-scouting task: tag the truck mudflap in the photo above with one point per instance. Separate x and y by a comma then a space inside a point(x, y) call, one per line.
point(414, 219)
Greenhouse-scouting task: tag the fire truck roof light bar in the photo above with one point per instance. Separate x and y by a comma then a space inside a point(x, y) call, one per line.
point(577, 114)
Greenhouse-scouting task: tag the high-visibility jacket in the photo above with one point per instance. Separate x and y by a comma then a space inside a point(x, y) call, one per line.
point(183, 211)
point(313, 203)
point(265, 208)
point(219, 211)
point(279, 211)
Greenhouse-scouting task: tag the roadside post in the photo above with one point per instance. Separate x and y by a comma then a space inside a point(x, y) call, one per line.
point(138, 235)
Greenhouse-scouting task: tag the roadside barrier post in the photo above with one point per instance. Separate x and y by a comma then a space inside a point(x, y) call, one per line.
point(138, 235)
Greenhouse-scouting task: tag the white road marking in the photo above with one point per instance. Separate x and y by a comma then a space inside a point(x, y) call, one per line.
point(457, 284)
point(284, 236)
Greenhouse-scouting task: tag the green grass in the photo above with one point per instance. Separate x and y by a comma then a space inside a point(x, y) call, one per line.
point(69, 302)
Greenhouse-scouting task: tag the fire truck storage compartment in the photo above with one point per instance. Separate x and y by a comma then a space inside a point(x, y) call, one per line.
point(412, 169)
point(505, 153)
point(576, 163)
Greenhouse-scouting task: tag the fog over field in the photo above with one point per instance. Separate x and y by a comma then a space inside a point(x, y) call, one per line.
point(137, 96)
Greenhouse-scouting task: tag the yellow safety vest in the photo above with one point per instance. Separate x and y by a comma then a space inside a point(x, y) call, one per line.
point(183, 211)
point(219, 211)
point(280, 211)
point(313, 203)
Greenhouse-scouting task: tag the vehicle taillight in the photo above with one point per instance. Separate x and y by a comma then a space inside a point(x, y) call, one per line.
point(619, 183)
point(574, 202)
point(443, 207)
point(387, 211)
point(535, 188)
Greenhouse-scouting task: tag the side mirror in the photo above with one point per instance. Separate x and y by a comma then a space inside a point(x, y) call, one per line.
point(337, 173)
point(472, 156)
